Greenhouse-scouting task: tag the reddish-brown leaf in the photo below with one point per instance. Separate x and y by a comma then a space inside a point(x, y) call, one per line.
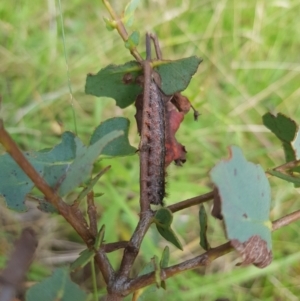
point(174, 150)
point(254, 251)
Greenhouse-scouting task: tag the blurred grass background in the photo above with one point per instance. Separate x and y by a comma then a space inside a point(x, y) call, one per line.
point(251, 65)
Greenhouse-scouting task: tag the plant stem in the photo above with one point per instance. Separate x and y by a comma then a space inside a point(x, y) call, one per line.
point(201, 260)
point(71, 213)
point(192, 202)
point(121, 29)
point(286, 220)
point(132, 249)
point(287, 166)
point(94, 280)
point(111, 247)
point(92, 213)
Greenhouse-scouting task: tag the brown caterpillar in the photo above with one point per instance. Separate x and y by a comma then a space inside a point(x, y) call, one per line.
point(156, 146)
point(151, 122)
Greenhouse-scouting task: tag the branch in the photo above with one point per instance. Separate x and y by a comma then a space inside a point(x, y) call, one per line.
point(286, 220)
point(192, 202)
point(111, 247)
point(201, 260)
point(287, 166)
point(71, 213)
point(121, 29)
point(132, 249)
point(92, 213)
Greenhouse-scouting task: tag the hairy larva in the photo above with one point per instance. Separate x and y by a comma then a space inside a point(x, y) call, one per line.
point(156, 146)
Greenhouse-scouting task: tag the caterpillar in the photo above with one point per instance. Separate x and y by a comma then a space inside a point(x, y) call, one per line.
point(156, 146)
point(151, 123)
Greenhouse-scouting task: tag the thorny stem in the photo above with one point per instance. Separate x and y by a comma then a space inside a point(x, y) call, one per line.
point(191, 202)
point(71, 213)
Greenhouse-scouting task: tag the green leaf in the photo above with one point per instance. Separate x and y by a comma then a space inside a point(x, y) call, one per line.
point(100, 237)
point(287, 131)
point(164, 263)
point(245, 204)
point(133, 40)
point(57, 287)
point(283, 127)
point(90, 185)
point(82, 166)
point(165, 257)
point(156, 271)
point(120, 146)
point(129, 11)
point(46, 206)
point(163, 219)
point(153, 266)
point(121, 82)
point(109, 24)
point(176, 75)
point(84, 257)
point(289, 178)
point(203, 228)
point(117, 82)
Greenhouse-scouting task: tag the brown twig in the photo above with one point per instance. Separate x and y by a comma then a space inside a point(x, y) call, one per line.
point(121, 29)
point(92, 213)
point(201, 260)
point(287, 166)
point(192, 202)
point(71, 213)
point(111, 247)
point(132, 249)
point(286, 220)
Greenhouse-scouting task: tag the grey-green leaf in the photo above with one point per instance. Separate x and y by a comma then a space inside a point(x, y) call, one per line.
point(120, 146)
point(84, 257)
point(245, 204)
point(14, 183)
point(57, 287)
point(82, 166)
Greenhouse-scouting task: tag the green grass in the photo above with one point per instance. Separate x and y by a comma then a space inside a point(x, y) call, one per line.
point(251, 65)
